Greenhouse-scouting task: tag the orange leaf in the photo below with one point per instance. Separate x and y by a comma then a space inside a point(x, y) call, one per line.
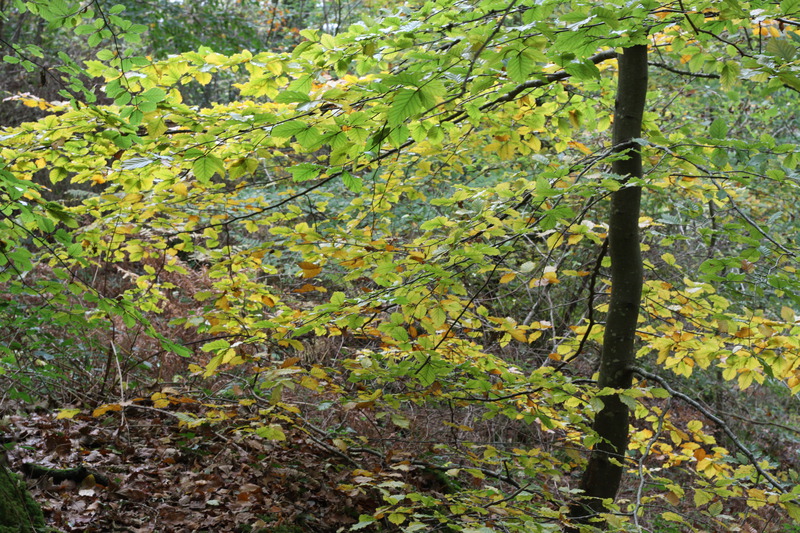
point(306, 288)
point(672, 498)
point(309, 269)
point(290, 362)
point(699, 454)
point(103, 409)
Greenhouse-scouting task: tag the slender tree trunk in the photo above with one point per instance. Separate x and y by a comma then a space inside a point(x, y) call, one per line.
point(602, 477)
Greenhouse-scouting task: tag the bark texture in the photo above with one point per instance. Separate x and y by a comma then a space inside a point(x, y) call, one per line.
point(603, 474)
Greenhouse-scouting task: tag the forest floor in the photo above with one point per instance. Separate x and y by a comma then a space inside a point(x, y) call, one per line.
point(152, 473)
point(163, 477)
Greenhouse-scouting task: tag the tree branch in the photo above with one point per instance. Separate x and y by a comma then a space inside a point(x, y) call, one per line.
point(719, 422)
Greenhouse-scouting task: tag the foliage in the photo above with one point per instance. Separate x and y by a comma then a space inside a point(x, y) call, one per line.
point(425, 191)
point(51, 47)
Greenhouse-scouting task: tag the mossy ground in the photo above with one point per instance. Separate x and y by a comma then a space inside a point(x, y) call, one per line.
point(18, 512)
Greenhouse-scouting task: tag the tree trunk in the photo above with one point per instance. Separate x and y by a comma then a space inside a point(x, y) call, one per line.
point(18, 512)
point(602, 477)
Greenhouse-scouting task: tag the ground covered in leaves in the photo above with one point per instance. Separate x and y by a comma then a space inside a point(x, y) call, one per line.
point(163, 476)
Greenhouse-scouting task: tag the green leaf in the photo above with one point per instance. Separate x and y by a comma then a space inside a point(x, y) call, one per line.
point(397, 518)
point(702, 497)
point(216, 345)
point(406, 104)
point(84, 29)
point(793, 509)
point(288, 129)
point(363, 521)
point(156, 94)
point(715, 508)
point(289, 97)
point(729, 74)
point(789, 79)
point(271, 432)
point(309, 138)
point(105, 55)
point(205, 167)
point(54, 10)
point(519, 66)
point(353, 183)
point(175, 348)
point(582, 70)
point(781, 47)
point(21, 258)
point(400, 420)
point(58, 212)
point(305, 171)
point(718, 129)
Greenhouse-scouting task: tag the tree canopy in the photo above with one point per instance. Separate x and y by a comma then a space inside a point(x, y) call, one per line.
point(397, 232)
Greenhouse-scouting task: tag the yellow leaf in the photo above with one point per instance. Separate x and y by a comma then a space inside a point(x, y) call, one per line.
point(203, 78)
point(672, 517)
point(309, 383)
point(276, 67)
point(223, 304)
point(694, 425)
point(180, 189)
point(132, 198)
point(212, 365)
point(294, 343)
point(230, 353)
point(702, 497)
point(507, 277)
point(575, 122)
point(555, 240)
point(745, 379)
point(518, 335)
point(67, 413)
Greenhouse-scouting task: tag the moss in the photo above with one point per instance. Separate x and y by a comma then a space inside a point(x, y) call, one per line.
point(18, 512)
